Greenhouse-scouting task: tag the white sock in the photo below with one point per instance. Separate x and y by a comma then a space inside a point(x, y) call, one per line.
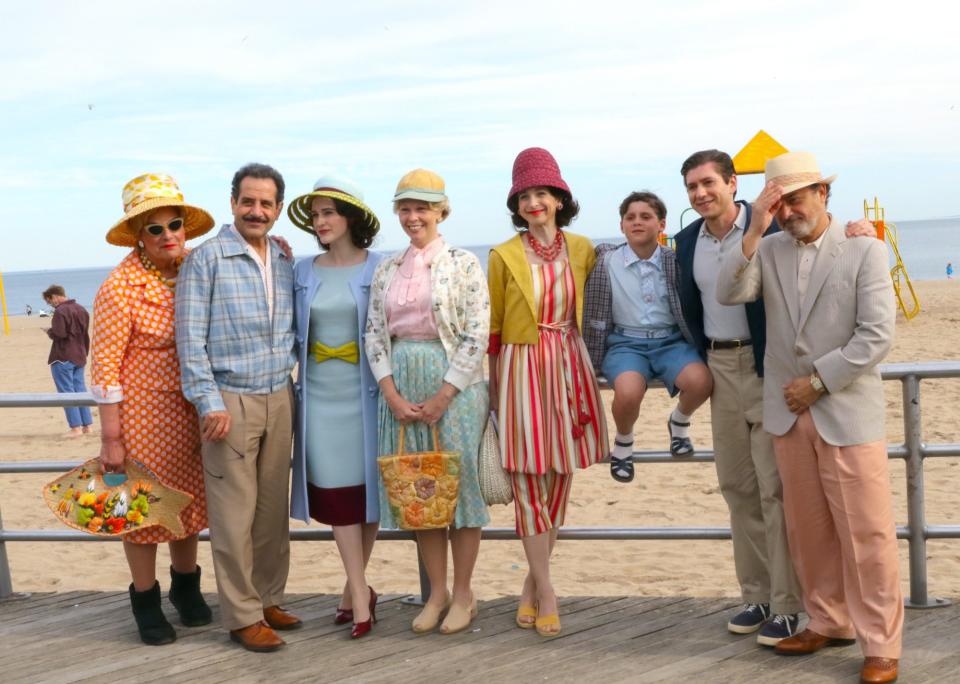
point(678, 417)
point(623, 451)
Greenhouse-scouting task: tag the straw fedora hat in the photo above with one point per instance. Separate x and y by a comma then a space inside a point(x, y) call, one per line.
point(110, 505)
point(151, 191)
point(795, 170)
point(335, 188)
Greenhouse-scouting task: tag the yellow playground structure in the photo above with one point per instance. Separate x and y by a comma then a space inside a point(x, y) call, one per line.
point(753, 158)
point(906, 298)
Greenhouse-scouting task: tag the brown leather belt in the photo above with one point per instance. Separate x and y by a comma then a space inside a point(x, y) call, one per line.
point(728, 344)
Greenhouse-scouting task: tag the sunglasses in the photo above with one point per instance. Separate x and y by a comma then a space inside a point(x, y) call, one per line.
point(156, 229)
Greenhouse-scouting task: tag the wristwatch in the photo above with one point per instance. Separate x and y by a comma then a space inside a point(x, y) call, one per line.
point(817, 383)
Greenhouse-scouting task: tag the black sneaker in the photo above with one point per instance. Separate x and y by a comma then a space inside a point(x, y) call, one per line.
point(750, 619)
point(778, 628)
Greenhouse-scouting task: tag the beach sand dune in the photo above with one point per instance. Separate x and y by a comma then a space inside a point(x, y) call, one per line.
point(671, 494)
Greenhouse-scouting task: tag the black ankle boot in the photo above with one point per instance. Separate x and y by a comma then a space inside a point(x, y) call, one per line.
point(186, 598)
point(153, 626)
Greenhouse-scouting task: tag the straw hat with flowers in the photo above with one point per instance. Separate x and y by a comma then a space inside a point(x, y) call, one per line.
point(151, 191)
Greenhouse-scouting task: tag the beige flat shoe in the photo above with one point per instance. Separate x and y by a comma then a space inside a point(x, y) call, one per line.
point(459, 617)
point(429, 617)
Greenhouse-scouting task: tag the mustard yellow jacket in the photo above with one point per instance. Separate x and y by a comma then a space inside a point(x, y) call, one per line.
point(513, 316)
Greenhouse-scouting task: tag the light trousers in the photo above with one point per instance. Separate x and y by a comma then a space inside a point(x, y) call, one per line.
point(247, 478)
point(750, 483)
point(844, 540)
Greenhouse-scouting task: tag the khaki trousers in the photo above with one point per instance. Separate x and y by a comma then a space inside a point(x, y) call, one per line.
point(840, 522)
point(750, 483)
point(247, 478)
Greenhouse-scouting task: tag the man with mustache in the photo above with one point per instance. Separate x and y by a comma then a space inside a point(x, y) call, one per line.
point(235, 339)
point(830, 317)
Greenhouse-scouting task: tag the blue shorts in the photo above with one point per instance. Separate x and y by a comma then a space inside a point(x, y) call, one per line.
point(663, 358)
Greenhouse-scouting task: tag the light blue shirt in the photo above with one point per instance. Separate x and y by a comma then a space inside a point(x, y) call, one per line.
point(639, 289)
point(226, 338)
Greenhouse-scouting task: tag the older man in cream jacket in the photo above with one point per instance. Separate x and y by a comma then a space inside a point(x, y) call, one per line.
point(830, 321)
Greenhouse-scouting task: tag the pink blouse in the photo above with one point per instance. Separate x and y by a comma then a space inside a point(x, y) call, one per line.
point(409, 304)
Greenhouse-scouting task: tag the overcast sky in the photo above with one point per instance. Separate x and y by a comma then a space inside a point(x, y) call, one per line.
point(95, 93)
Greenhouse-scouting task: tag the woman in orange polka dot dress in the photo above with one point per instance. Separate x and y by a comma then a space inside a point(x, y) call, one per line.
point(136, 382)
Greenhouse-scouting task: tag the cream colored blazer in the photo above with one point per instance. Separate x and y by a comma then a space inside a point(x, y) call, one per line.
point(843, 328)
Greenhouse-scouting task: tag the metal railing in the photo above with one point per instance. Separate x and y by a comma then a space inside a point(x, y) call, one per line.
point(913, 451)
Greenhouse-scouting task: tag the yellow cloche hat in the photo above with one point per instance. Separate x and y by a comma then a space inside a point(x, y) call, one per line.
point(152, 191)
point(421, 184)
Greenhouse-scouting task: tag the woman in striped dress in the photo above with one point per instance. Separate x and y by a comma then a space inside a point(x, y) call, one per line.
point(541, 379)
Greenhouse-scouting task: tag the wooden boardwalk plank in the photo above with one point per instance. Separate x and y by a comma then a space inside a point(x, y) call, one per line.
point(90, 637)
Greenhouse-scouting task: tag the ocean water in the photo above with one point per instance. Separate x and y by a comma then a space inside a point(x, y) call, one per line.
point(925, 247)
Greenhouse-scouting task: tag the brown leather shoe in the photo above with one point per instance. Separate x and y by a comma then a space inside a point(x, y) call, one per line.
point(807, 642)
point(258, 637)
point(278, 618)
point(878, 670)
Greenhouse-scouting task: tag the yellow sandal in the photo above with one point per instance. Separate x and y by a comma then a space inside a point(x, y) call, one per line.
point(526, 612)
point(548, 621)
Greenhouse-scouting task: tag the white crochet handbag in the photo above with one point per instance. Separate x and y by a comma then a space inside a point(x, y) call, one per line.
point(495, 485)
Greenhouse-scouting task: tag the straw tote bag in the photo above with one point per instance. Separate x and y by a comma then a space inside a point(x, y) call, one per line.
point(495, 485)
point(422, 487)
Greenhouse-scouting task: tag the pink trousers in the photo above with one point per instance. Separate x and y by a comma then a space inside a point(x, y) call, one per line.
point(842, 537)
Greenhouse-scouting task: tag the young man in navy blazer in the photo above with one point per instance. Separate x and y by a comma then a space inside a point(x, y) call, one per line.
point(732, 339)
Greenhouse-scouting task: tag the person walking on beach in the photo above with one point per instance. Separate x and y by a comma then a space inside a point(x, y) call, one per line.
point(541, 380)
point(635, 330)
point(335, 472)
point(68, 354)
point(136, 383)
point(235, 337)
point(427, 328)
point(732, 339)
point(949, 270)
point(830, 321)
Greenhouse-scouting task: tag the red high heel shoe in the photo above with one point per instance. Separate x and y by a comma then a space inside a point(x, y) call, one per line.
point(343, 616)
point(361, 628)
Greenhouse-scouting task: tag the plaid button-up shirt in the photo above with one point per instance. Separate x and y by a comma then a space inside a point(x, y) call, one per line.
point(598, 302)
point(226, 339)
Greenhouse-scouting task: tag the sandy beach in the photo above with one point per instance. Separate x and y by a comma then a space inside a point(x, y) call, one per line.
point(672, 494)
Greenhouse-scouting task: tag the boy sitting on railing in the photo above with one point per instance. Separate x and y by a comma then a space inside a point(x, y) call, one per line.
point(635, 332)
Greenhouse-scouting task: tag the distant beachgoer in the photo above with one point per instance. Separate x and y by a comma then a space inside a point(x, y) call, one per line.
point(68, 353)
point(29, 310)
point(136, 382)
point(542, 383)
point(427, 329)
point(949, 270)
point(335, 472)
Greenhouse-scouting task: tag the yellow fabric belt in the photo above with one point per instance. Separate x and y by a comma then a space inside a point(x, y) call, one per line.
point(348, 352)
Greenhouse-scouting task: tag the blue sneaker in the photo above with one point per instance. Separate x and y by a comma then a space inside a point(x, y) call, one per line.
point(750, 619)
point(778, 628)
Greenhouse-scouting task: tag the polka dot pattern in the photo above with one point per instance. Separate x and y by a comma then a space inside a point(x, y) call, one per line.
point(134, 356)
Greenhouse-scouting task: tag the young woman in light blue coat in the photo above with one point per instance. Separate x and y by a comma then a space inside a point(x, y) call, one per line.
point(335, 441)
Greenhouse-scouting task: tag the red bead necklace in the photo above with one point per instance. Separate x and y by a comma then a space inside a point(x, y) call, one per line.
point(549, 252)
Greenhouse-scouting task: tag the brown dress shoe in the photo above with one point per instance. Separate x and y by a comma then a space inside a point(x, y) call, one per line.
point(878, 670)
point(258, 637)
point(278, 618)
point(807, 642)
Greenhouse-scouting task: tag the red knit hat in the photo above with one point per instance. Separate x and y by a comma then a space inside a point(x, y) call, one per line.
point(535, 167)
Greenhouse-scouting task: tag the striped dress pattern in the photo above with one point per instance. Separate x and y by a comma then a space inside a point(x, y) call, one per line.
point(551, 418)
